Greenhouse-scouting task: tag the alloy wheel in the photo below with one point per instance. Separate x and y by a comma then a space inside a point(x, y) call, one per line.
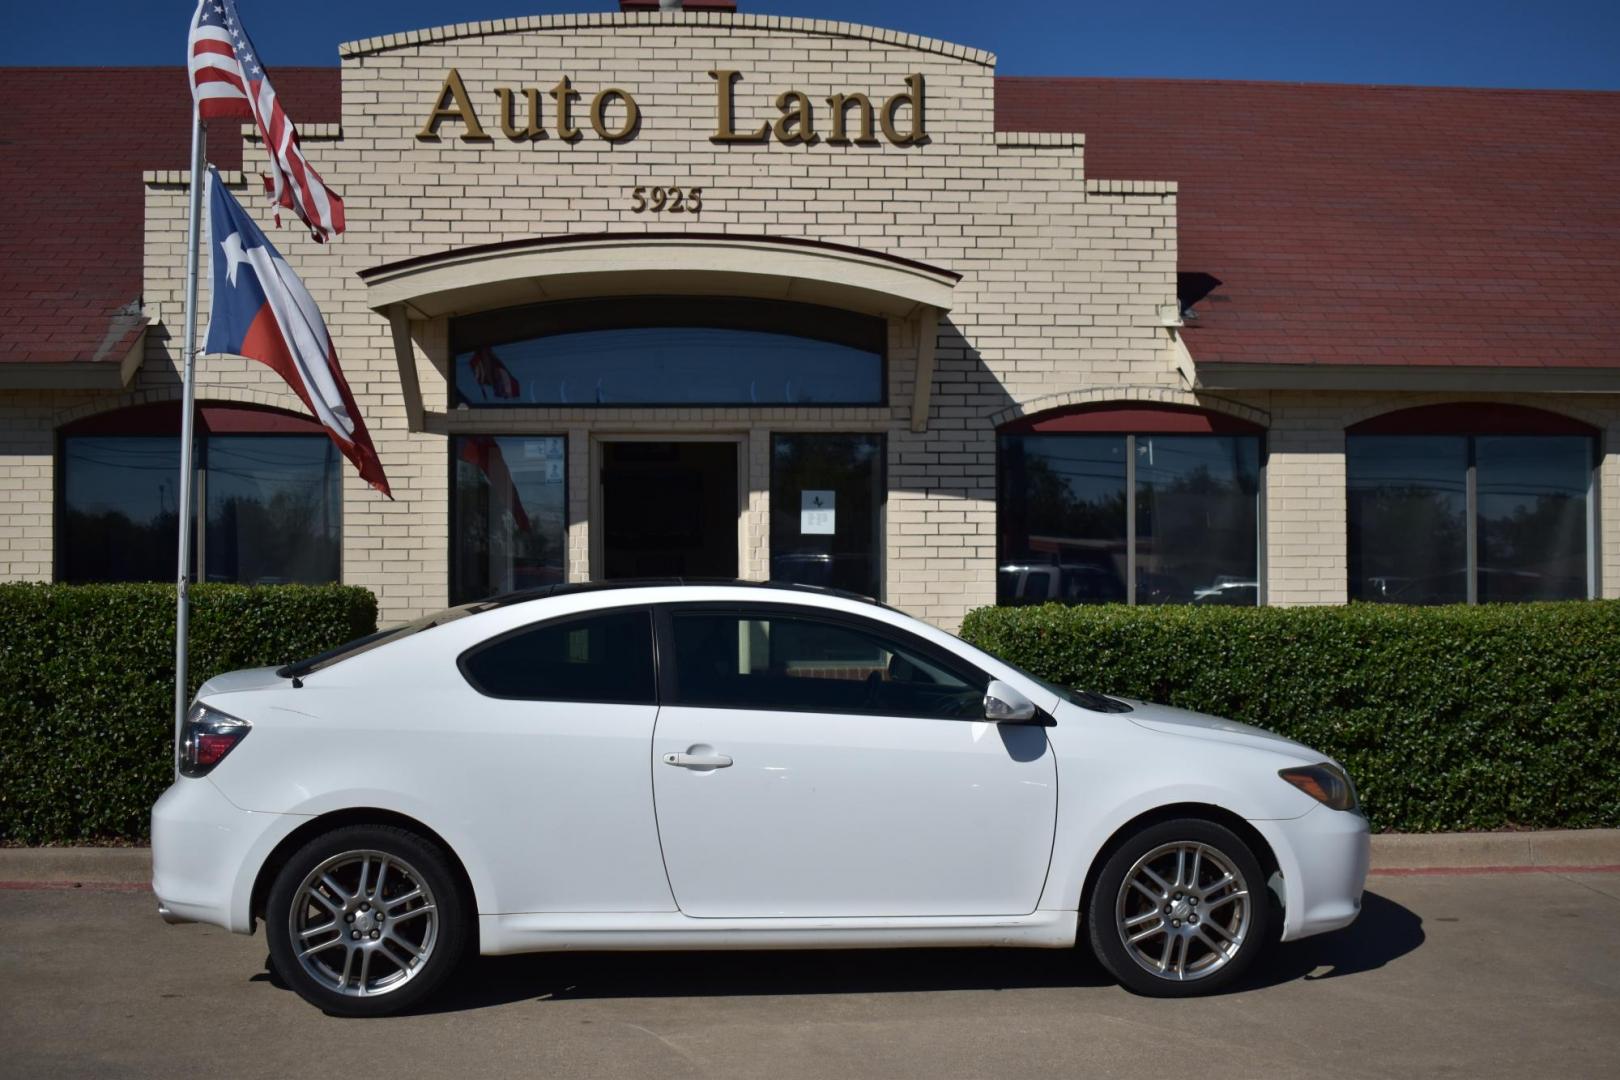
point(1183, 911)
point(364, 923)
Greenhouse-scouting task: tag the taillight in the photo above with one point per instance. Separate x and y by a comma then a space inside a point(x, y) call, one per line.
point(206, 737)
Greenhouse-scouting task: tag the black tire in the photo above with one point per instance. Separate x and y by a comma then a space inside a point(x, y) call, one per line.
point(1201, 968)
point(417, 859)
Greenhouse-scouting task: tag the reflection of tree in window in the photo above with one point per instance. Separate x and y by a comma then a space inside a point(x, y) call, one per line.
point(1197, 530)
point(1408, 509)
point(271, 505)
point(1065, 507)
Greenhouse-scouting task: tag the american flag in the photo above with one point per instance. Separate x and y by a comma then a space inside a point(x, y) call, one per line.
point(483, 453)
point(228, 82)
point(490, 373)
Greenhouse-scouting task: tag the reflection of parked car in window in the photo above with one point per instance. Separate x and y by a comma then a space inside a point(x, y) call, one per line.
point(1495, 584)
point(1229, 590)
point(848, 570)
point(1065, 583)
point(1386, 586)
point(1157, 588)
point(802, 568)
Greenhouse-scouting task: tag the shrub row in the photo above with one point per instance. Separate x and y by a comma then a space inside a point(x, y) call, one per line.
point(1447, 717)
point(87, 689)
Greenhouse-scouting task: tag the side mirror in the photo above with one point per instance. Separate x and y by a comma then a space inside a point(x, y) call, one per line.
point(1004, 705)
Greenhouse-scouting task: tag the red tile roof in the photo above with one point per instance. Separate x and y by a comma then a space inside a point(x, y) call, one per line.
point(76, 141)
point(1369, 224)
point(1318, 224)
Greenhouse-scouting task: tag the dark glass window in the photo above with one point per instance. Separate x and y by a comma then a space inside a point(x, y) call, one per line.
point(604, 658)
point(1067, 502)
point(827, 495)
point(272, 505)
point(1197, 525)
point(508, 522)
point(1408, 518)
point(120, 506)
point(1532, 516)
point(793, 663)
point(669, 351)
point(1410, 511)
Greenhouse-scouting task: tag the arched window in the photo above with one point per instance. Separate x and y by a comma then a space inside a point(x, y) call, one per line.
point(267, 492)
point(1146, 504)
point(669, 350)
point(1469, 503)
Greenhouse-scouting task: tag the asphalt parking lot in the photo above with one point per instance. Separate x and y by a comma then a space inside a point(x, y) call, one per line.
point(1468, 975)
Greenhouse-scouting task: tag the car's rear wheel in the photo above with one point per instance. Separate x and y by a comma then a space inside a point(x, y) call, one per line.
point(365, 920)
point(1180, 909)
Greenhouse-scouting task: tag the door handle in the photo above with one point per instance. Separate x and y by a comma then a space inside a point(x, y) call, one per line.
point(698, 761)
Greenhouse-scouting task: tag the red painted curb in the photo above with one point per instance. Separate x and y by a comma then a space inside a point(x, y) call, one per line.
point(1442, 871)
point(88, 886)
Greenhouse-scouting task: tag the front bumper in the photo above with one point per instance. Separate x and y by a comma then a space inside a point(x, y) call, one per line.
point(1323, 858)
point(206, 854)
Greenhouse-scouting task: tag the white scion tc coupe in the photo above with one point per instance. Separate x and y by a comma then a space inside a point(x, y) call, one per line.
point(680, 766)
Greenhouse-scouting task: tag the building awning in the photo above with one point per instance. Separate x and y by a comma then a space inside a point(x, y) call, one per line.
point(465, 280)
point(533, 270)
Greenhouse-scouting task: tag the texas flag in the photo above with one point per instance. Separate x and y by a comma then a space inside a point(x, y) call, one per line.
point(262, 311)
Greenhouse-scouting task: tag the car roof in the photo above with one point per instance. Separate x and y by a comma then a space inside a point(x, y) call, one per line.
point(572, 588)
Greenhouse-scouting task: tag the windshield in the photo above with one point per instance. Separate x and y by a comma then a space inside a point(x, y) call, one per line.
point(1086, 699)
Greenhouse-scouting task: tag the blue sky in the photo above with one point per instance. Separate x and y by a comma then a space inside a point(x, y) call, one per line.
point(1530, 43)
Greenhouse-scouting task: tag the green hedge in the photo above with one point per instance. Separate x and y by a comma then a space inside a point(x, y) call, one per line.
point(87, 689)
point(1486, 717)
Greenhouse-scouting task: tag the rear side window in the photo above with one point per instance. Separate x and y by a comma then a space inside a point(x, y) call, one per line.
point(603, 658)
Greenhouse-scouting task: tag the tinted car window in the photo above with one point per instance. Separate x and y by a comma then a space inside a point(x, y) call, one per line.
point(769, 661)
point(604, 658)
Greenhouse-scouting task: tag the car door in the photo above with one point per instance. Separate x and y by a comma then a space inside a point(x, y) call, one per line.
point(808, 763)
point(543, 757)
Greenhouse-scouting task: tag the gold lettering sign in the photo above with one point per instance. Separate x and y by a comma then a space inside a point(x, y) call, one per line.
point(724, 130)
point(902, 118)
point(632, 114)
point(452, 103)
point(509, 128)
point(913, 96)
point(565, 95)
point(840, 116)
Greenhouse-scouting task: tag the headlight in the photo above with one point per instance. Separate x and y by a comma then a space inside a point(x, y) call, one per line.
point(1325, 783)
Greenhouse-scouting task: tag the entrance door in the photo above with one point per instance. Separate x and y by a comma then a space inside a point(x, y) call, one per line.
point(669, 509)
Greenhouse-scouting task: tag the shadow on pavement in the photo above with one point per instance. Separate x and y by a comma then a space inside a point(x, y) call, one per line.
point(1385, 931)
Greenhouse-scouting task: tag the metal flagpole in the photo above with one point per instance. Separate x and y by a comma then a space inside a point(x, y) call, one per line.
point(188, 409)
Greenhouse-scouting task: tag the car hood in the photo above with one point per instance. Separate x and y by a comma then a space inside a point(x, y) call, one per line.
point(1173, 721)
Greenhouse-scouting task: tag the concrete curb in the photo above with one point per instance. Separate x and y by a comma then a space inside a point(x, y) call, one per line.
point(1552, 847)
point(1561, 848)
point(109, 865)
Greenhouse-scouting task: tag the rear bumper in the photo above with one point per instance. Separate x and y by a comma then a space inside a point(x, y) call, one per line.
point(170, 917)
point(1323, 858)
point(206, 854)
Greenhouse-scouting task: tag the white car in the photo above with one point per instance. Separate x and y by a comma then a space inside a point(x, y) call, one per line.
point(738, 766)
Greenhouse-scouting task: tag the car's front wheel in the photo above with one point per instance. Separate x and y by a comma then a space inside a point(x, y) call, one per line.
point(1180, 908)
point(365, 920)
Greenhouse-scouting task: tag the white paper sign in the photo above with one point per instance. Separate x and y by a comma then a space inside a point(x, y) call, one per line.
point(817, 514)
point(548, 453)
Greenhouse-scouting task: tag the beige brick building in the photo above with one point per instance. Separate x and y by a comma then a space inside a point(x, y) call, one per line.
point(900, 343)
